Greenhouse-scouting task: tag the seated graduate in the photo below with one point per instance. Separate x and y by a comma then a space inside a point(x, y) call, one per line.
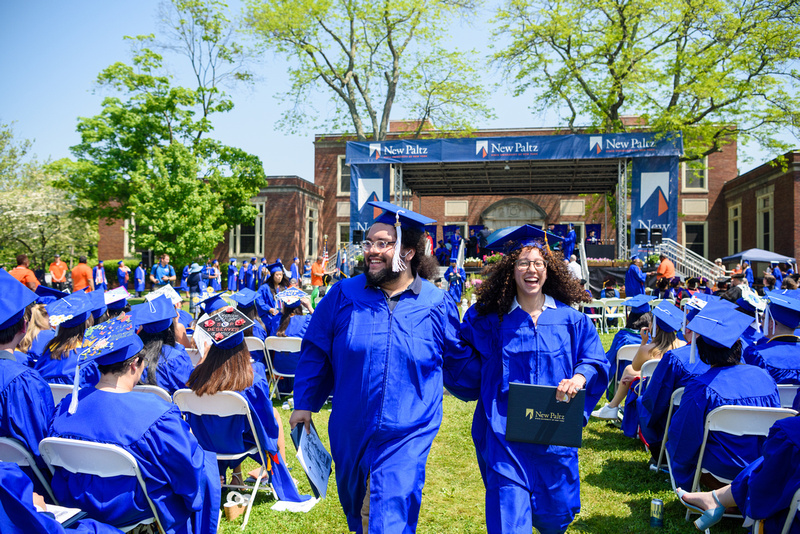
point(37, 322)
point(167, 364)
point(716, 330)
point(72, 316)
point(764, 490)
point(779, 354)
point(99, 308)
point(675, 369)
point(246, 303)
point(630, 335)
point(668, 320)
point(118, 306)
point(39, 331)
point(267, 301)
point(26, 404)
point(293, 324)
point(753, 305)
point(24, 512)
point(226, 367)
point(180, 476)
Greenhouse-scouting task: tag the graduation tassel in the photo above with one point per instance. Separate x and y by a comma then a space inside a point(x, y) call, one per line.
point(758, 325)
point(397, 262)
point(73, 404)
point(655, 328)
point(694, 348)
point(683, 322)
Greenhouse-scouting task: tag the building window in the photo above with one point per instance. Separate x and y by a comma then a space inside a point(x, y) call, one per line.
point(248, 239)
point(342, 234)
point(128, 228)
point(342, 177)
point(764, 227)
point(695, 176)
point(312, 223)
point(694, 237)
point(734, 229)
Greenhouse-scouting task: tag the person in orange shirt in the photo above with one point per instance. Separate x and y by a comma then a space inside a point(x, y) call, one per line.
point(82, 276)
point(666, 269)
point(23, 274)
point(58, 271)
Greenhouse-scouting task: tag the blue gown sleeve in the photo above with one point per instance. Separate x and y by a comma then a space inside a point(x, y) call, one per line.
point(174, 372)
point(28, 411)
point(313, 380)
point(461, 364)
point(686, 434)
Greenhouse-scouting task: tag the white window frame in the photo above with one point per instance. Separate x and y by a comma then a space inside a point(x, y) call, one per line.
point(339, 165)
point(129, 251)
point(339, 226)
point(770, 211)
point(234, 244)
point(312, 242)
point(705, 235)
point(704, 189)
point(734, 219)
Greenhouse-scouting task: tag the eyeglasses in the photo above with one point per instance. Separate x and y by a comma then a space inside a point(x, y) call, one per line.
point(379, 246)
point(523, 265)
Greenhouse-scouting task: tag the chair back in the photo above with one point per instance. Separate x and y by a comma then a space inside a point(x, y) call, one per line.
point(745, 420)
point(787, 393)
point(155, 390)
point(675, 401)
point(253, 343)
point(59, 391)
point(14, 451)
point(598, 306)
point(647, 371)
point(626, 353)
point(787, 526)
point(98, 459)
point(283, 344)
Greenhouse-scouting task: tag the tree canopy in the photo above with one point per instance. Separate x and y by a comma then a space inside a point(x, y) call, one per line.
point(148, 155)
point(713, 68)
point(370, 56)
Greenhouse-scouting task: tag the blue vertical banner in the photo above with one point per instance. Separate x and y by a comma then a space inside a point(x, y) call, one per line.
point(654, 197)
point(368, 182)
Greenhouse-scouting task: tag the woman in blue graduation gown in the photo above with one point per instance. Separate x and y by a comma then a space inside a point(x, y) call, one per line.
point(523, 330)
point(455, 278)
point(293, 324)
point(233, 276)
point(227, 367)
point(214, 276)
point(245, 303)
point(180, 476)
point(717, 330)
point(168, 364)
point(19, 516)
point(269, 306)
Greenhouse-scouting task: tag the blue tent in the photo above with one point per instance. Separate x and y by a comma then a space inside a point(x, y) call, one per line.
point(757, 254)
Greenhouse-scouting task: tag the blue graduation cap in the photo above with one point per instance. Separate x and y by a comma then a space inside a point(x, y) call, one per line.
point(70, 311)
point(48, 294)
point(399, 218)
point(226, 327)
point(244, 298)
point(117, 298)
point(154, 315)
point(212, 303)
point(637, 300)
point(98, 299)
point(275, 267)
point(14, 298)
point(522, 236)
point(233, 260)
point(291, 297)
point(784, 307)
point(720, 324)
point(692, 306)
point(668, 316)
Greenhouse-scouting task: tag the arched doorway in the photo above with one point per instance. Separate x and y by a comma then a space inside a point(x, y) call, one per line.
point(512, 212)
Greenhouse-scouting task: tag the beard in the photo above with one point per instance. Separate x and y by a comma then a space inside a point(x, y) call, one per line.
point(379, 278)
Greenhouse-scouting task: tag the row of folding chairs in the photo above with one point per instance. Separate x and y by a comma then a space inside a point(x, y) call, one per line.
point(602, 311)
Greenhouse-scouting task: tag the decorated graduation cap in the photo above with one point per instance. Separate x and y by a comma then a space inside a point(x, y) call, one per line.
point(167, 290)
point(399, 218)
point(637, 300)
point(719, 324)
point(291, 297)
point(226, 327)
point(668, 317)
point(48, 294)
point(98, 303)
point(783, 307)
point(154, 315)
point(70, 311)
point(117, 298)
point(14, 298)
point(244, 298)
point(275, 267)
point(212, 303)
point(522, 236)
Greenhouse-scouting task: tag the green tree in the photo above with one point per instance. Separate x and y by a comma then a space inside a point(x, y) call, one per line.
point(148, 157)
point(713, 69)
point(370, 56)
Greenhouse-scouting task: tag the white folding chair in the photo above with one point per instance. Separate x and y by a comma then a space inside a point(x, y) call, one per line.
point(647, 371)
point(194, 355)
point(227, 404)
point(787, 393)
point(60, 391)
point(736, 421)
point(614, 310)
point(255, 344)
point(787, 526)
point(598, 305)
point(275, 344)
point(674, 402)
point(625, 353)
point(655, 302)
point(11, 450)
point(98, 459)
point(155, 390)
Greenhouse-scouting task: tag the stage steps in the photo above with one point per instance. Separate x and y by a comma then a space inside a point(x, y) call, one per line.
point(688, 264)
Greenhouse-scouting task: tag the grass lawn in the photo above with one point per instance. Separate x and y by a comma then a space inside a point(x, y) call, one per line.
point(616, 486)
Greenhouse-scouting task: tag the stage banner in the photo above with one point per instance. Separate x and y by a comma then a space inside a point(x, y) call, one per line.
point(654, 198)
point(368, 182)
point(547, 147)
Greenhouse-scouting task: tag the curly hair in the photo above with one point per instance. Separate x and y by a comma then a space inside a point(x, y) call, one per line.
point(497, 292)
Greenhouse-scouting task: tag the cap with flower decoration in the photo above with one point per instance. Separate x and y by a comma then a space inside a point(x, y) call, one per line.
point(226, 327)
point(522, 236)
point(14, 298)
point(291, 297)
point(70, 311)
point(399, 218)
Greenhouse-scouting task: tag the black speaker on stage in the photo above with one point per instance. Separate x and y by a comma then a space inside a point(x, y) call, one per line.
point(358, 236)
point(656, 236)
point(640, 236)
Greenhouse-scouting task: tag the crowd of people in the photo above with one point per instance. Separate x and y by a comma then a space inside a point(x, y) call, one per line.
point(384, 345)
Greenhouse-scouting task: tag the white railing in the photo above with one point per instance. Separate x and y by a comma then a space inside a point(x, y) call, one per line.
point(688, 264)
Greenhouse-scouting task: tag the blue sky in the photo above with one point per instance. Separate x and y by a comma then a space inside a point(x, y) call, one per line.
point(54, 49)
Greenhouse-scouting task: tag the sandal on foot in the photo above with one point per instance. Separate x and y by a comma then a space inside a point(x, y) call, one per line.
point(712, 516)
point(680, 493)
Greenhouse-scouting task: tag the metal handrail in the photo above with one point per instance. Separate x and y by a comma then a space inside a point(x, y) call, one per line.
point(688, 263)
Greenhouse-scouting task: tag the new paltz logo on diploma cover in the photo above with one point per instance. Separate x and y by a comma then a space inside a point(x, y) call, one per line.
point(535, 416)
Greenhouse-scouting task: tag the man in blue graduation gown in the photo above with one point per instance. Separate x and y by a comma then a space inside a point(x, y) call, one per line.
point(380, 343)
point(569, 243)
point(181, 478)
point(634, 284)
point(26, 404)
point(233, 276)
point(138, 280)
point(779, 354)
